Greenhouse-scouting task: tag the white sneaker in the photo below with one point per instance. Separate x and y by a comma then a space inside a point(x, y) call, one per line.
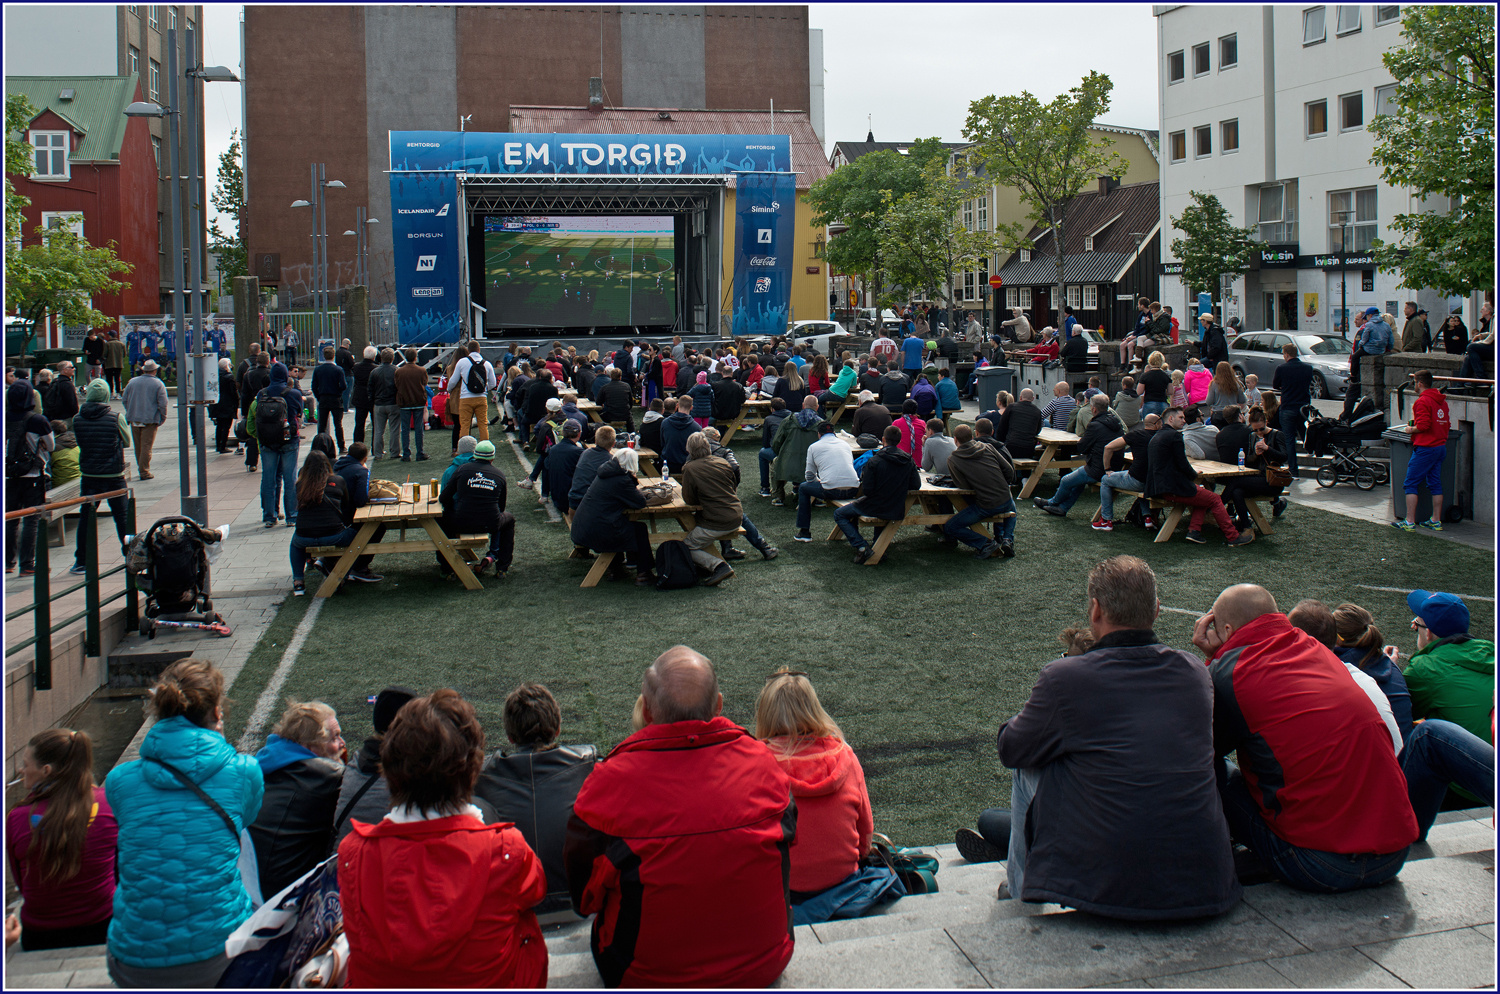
point(526, 483)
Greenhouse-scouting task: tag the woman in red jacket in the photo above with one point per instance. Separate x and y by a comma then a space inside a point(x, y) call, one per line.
point(431, 894)
point(834, 822)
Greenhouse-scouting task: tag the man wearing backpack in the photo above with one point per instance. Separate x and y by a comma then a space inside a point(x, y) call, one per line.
point(274, 424)
point(102, 437)
point(28, 436)
point(145, 409)
point(472, 380)
point(257, 378)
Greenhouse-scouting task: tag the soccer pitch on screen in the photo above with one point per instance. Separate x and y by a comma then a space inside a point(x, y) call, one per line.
point(573, 271)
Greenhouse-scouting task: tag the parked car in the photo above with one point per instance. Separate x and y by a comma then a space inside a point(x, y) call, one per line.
point(824, 336)
point(865, 318)
point(1259, 352)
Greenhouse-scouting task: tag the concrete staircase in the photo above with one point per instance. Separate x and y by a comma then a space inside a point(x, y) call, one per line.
point(1433, 927)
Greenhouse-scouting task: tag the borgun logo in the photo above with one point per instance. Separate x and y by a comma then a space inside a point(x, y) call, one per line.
point(763, 284)
point(426, 263)
point(427, 291)
point(424, 234)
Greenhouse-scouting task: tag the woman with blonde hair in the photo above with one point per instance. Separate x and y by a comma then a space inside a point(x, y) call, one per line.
point(1179, 389)
point(1361, 645)
point(1155, 386)
point(1224, 389)
point(303, 767)
point(791, 387)
point(834, 821)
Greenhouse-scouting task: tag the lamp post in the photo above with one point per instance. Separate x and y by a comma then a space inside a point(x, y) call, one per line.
point(1140, 239)
point(361, 233)
point(1344, 268)
point(320, 246)
point(193, 506)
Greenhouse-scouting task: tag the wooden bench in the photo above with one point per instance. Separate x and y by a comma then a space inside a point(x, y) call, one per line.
point(463, 544)
point(838, 412)
point(57, 528)
point(1174, 515)
point(603, 560)
point(887, 528)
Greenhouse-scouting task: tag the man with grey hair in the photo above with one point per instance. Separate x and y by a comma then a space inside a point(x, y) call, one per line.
point(1020, 424)
point(1113, 760)
point(360, 395)
point(654, 827)
point(709, 482)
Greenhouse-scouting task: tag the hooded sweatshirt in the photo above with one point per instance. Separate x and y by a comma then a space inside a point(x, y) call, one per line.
point(834, 822)
point(1454, 679)
point(976, 466)
point(674, 435)
point(21, 417)
point(793, 438)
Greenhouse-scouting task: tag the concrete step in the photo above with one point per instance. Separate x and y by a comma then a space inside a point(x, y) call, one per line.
point(81, 966)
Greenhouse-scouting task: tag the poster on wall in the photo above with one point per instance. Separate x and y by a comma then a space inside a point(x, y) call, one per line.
point(154, 336)
point(425, 242)
point(1310, 304)
point(765, 204)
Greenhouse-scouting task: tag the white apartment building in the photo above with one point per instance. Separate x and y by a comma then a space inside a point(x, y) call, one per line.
point(1266, 108)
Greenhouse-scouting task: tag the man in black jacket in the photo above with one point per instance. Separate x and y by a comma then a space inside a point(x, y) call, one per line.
point(387, 418)
point(1170, 477)
point(1138, 441)
point(345, 361)
point(257, 377)
point(60, 399)
point(328, 389)
point(768, 429)
point(474, 501)
point(1104, 428)
point(1263, 446)
point(870, 418)
point(1294, 379)
point(729, 397)
point(616, 400)
point(887, 478)
point(102, 436)
point(359, 396)
point(1019, 426)
point(1075, 359)
point(893, 388)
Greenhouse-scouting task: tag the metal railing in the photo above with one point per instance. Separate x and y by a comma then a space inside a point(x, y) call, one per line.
point(43, 627)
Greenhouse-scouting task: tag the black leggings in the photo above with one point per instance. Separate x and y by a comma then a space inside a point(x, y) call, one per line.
point(1237, 488)
point(112, 377)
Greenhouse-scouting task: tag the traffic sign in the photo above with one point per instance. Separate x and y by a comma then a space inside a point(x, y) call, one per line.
point(996, 281)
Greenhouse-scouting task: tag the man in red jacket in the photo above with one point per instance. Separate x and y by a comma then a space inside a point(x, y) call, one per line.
point(680, 842)
point(1429, 445)
point(1323, 818)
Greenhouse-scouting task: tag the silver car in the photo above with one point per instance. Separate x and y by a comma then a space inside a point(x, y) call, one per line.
point(1259, 352)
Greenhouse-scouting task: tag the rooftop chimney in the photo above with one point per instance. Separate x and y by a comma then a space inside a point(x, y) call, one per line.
point(596, 94)
point(1106, 184)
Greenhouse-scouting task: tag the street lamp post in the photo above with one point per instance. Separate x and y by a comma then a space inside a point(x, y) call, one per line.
point(318, 203)
point(361, 233)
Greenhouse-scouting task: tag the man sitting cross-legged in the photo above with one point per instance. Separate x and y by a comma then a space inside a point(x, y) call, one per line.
point(1103, 428)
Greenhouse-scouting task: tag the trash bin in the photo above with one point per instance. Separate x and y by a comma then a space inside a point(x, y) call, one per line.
point(993, 379)
point(1454, 494)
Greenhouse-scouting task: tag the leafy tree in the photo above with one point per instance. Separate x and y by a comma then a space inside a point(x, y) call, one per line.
point(1046, 152)
point(1440, 141)
point(18, 161)
point(59, 275)
point(229, 199)
point(1212, 245)
point(922, 239)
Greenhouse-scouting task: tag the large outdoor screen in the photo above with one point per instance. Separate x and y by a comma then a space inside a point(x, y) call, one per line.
point(573, 271)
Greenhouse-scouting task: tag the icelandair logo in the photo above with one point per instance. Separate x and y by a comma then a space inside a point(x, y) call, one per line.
point(435, 212)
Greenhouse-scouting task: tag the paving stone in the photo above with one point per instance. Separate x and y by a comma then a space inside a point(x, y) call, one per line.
point(1241, 976)
point(1463, 837)
point(91, 979)
point(1074, 949)
point(1458, 958)
point(49, 961)
point(927, 959)
point(1488, 931)
point(37, 981)
point(941, 910)
point(573, 970)
point(1347, 968)
point(1431, 895)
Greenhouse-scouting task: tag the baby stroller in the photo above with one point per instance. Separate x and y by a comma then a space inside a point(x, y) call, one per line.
point(1346, 439)
point(169, 564)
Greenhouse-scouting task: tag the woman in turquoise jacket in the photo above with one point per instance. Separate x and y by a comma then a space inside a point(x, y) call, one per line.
point(180, 893)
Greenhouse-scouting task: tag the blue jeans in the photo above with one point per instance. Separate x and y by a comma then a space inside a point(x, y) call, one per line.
point(1291, 427)
point(847, 518)
point(752, 535)
point(1440, 753)
point(1153, 407)
point(278, 468)
point(958, 525)
point(301, 543)
point(1070, 487)
point(1305, 869)
point(812, 488)
point(767, 457)
point(1108, 484)
point(348, 389)
point(412, 419)
point(1023, 784)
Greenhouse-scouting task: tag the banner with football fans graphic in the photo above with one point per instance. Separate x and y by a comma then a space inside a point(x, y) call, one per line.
point(426, 242)
point(765, 205)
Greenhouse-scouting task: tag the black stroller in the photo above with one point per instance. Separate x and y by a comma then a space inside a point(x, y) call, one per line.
point(1346, 439)
point(169, 564)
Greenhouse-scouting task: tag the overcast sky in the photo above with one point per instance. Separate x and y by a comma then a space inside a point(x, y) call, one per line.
point(907, 70)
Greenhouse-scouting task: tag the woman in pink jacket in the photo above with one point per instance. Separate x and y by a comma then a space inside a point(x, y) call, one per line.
point(834, 822)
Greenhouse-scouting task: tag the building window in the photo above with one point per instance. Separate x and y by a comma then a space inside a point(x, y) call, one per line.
point(1277, 215)
point(1203, 142)
point(1176, 67)
point(1317, 119)
point(51, 149)
point(153, 83)
point(1229, 52)
point(1011, 297)
point(1178, 142)
point(1229, 136)
point(1026, 255)
point(1075, 297)
point(1355, 208)
point(133, 60)
point(982, 210)
point(968, 286)
point(1351, 111)
point(72, 220)
point(1387, 15)
point(1052, 297)
point(161, 234)
point(172, 18)
point(983, 276)
point(133, 9)
point(1385, 99)
point(151, 19)
point(1025, 298)
point(1312, 26)
point(968, 215)
point(156, 151)
point(1348, 20)
point(1200, 59)
point(1091, 298)
point(1088, 243)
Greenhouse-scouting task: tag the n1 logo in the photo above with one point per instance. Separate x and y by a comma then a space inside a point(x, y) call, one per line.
point(426, 263)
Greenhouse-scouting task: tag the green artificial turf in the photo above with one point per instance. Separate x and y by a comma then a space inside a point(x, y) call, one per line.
point(919, 659)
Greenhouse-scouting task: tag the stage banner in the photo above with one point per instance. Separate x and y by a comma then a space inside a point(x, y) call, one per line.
point(426, 237)
point(765, 205)
point(587, 155)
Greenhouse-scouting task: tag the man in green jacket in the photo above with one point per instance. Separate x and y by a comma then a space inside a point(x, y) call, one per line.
point(1451, 676)
point(793, 438)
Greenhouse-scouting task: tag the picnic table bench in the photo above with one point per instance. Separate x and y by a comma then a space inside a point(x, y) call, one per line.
point(748, 411)
point(1208, 470)
point(675, 510)
point(417, 507)
point(1052, 440)
point(927, 496)
point(57, 527)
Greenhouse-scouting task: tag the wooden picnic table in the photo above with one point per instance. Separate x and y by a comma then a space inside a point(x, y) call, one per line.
point(593, 410)
point(417, 508)
point(677, 510)
point(927, 495)
point(1052, 440)
point(748, 410)
point(1209, 471)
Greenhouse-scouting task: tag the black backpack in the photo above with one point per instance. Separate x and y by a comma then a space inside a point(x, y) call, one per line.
point(21, 455)
point(273, 425)
point(675, 568)
point(476, 380)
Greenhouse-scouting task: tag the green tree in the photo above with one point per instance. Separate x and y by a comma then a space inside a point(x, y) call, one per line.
point(229, 199)
point(856, 196)
point(922, 240)
point(60, 275)
point(18, 161)
point(1212, 246)
point(1045, 152)
point(1440, 141)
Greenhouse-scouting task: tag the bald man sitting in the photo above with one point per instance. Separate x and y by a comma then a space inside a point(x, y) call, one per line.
point(679, 841)
point(1318, 795)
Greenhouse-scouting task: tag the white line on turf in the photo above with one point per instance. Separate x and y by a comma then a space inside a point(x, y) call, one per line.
point(1403, 590)
point(1183, 610)
point(272, 693)
point(552, 514)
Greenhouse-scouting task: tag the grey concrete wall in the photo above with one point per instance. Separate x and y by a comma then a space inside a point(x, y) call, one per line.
point(411, 61)
point(662, 57)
